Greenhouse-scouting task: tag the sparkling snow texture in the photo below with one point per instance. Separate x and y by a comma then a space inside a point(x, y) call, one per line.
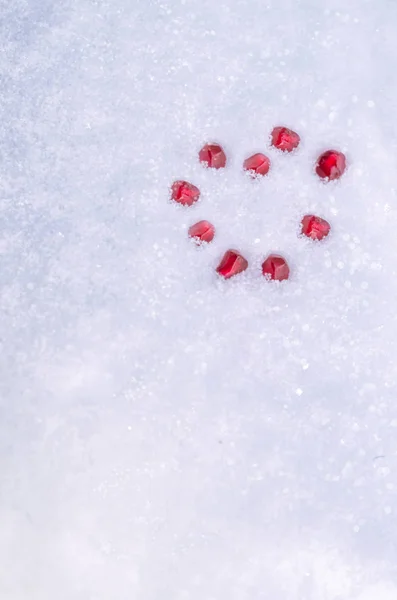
point(166, 435)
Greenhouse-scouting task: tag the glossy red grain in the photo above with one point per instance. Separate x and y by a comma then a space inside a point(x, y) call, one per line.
point(331, 165)
point(285, 139)
point(232, 264)
point(213, 156)
point(184, 193)
point(203, 231)
point(275, 267)
point(314, 227)
point(257, 164)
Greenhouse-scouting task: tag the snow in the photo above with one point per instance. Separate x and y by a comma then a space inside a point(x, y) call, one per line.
point(165, 434)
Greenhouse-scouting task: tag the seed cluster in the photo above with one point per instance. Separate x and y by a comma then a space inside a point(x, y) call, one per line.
point(330, 165)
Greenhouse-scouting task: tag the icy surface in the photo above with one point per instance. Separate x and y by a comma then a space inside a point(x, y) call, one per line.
point(165, 435)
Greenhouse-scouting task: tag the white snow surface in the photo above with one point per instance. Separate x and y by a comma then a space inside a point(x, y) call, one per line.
point(165, 434)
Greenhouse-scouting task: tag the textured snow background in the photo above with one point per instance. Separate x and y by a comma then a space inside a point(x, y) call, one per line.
point(164, 434)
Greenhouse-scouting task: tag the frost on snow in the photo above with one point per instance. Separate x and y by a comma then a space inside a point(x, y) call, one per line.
point(166, 432)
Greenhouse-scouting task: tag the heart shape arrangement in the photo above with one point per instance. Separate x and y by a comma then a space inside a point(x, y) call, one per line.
point(330, 166)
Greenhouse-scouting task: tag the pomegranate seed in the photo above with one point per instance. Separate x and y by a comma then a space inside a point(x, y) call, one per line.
point(184, 193)
point(231, 264)
point(275, 267)
point(203, 231)
point(212, 155)
point(331, 165)
point(258, 164)
point(315, 227)
point(285, 139)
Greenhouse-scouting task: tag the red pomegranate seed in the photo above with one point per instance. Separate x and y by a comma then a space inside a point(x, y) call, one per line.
point(315, 227)
point(285, 139)
point(212, 155)
point(203, 231)
point(275, 267)
point(231, 264)
point(258, 164)
point(331, 165)
point(184, 193)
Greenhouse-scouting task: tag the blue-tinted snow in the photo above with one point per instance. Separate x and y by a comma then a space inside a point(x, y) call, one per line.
point(164, 434)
